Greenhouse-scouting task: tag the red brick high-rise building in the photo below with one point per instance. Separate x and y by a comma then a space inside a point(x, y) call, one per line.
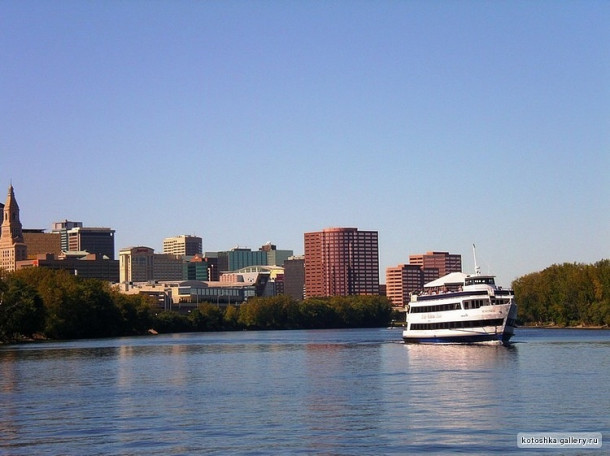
point(404, 279)
point(341, 262)
point(445, 262)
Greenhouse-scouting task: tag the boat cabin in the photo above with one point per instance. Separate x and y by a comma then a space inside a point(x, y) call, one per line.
point(480, 280)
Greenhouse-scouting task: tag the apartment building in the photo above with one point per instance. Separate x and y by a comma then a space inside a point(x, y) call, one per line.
point(445, 262)
point(404, 279)
point(341, 262)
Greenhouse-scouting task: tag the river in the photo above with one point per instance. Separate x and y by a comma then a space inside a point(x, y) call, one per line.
point(334, 392)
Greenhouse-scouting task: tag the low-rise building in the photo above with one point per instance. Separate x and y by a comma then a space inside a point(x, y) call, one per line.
point(83, 264)
point(39, 242)
point(188, 294)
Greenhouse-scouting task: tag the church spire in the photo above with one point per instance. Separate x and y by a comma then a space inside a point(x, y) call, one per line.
point(12, 247)
point(11, 225)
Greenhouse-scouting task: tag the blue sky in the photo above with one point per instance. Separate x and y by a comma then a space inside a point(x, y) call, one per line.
point(437, 123)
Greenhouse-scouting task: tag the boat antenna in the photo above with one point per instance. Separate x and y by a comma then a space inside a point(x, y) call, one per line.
point(477, 269)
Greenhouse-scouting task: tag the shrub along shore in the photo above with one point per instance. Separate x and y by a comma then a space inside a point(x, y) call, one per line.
point(568, 295)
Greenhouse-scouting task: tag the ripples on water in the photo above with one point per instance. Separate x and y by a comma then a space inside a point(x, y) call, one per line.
point(318, 392)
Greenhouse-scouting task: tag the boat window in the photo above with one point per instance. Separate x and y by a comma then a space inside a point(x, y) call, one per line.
point(456, 324)
point(480, 280)
point(437, 308)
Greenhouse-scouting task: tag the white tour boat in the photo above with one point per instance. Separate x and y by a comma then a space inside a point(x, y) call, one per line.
point(461, 308)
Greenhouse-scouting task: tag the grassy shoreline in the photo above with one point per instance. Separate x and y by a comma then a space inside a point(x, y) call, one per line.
point(553, 326)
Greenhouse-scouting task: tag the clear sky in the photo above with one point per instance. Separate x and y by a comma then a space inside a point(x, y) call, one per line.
point(437, 123)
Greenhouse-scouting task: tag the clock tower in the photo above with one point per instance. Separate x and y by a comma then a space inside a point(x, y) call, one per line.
point(12, 247)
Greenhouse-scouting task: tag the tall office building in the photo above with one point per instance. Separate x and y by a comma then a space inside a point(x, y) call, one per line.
point(199, 267)
point(294, 277)
point(62, 228)
point(445, 262)
point(136, 264)
point(240, 257)
point(275, 257)
point(92, 240)
point(341, 262)
point(183, 245)
point(402, 280)
point(237, 258)
point(12, 246)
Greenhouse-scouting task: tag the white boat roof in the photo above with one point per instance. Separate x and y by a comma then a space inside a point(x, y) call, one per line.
point(455, 278)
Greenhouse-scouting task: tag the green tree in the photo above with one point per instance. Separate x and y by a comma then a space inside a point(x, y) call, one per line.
point(568, 294)
point(137, 312)
point(317, 313)
point(171, 321)
point(231, 317)
point(96, 312)
point(22, 312)
point(207, 317)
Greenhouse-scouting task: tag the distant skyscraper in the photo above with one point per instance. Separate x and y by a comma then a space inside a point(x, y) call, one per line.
point(294, 277)
point(136, 264)
point(404, 279)
point(92, 240)
point(401, 280)
point(183, 245)
point(238, 258)
point(62, 228)
point(341, 262)
point(12, 247)
point(275, 257)
point(445, 262)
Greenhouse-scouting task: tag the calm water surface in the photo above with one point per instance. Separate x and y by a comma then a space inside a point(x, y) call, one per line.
point(287, 392)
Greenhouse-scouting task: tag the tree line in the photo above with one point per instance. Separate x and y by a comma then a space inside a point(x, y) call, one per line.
point(49, 304)
point(570, 294)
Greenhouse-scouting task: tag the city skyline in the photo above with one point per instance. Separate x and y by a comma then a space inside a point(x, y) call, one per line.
point(437, 124)
point(382, 270)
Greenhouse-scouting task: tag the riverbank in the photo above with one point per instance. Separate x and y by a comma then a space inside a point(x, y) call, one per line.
point(553, 326)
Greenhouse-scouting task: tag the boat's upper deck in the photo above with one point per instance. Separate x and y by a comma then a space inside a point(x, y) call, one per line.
point(457, 285)
point(460, 294)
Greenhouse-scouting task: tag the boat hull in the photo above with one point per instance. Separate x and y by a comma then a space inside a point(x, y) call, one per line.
point(499, 332)
point(494, 339)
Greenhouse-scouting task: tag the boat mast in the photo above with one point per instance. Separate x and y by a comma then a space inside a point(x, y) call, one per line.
point(477, 269)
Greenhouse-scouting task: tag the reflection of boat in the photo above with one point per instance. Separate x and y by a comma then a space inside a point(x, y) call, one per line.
point(461, 358)
point(460, 308)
